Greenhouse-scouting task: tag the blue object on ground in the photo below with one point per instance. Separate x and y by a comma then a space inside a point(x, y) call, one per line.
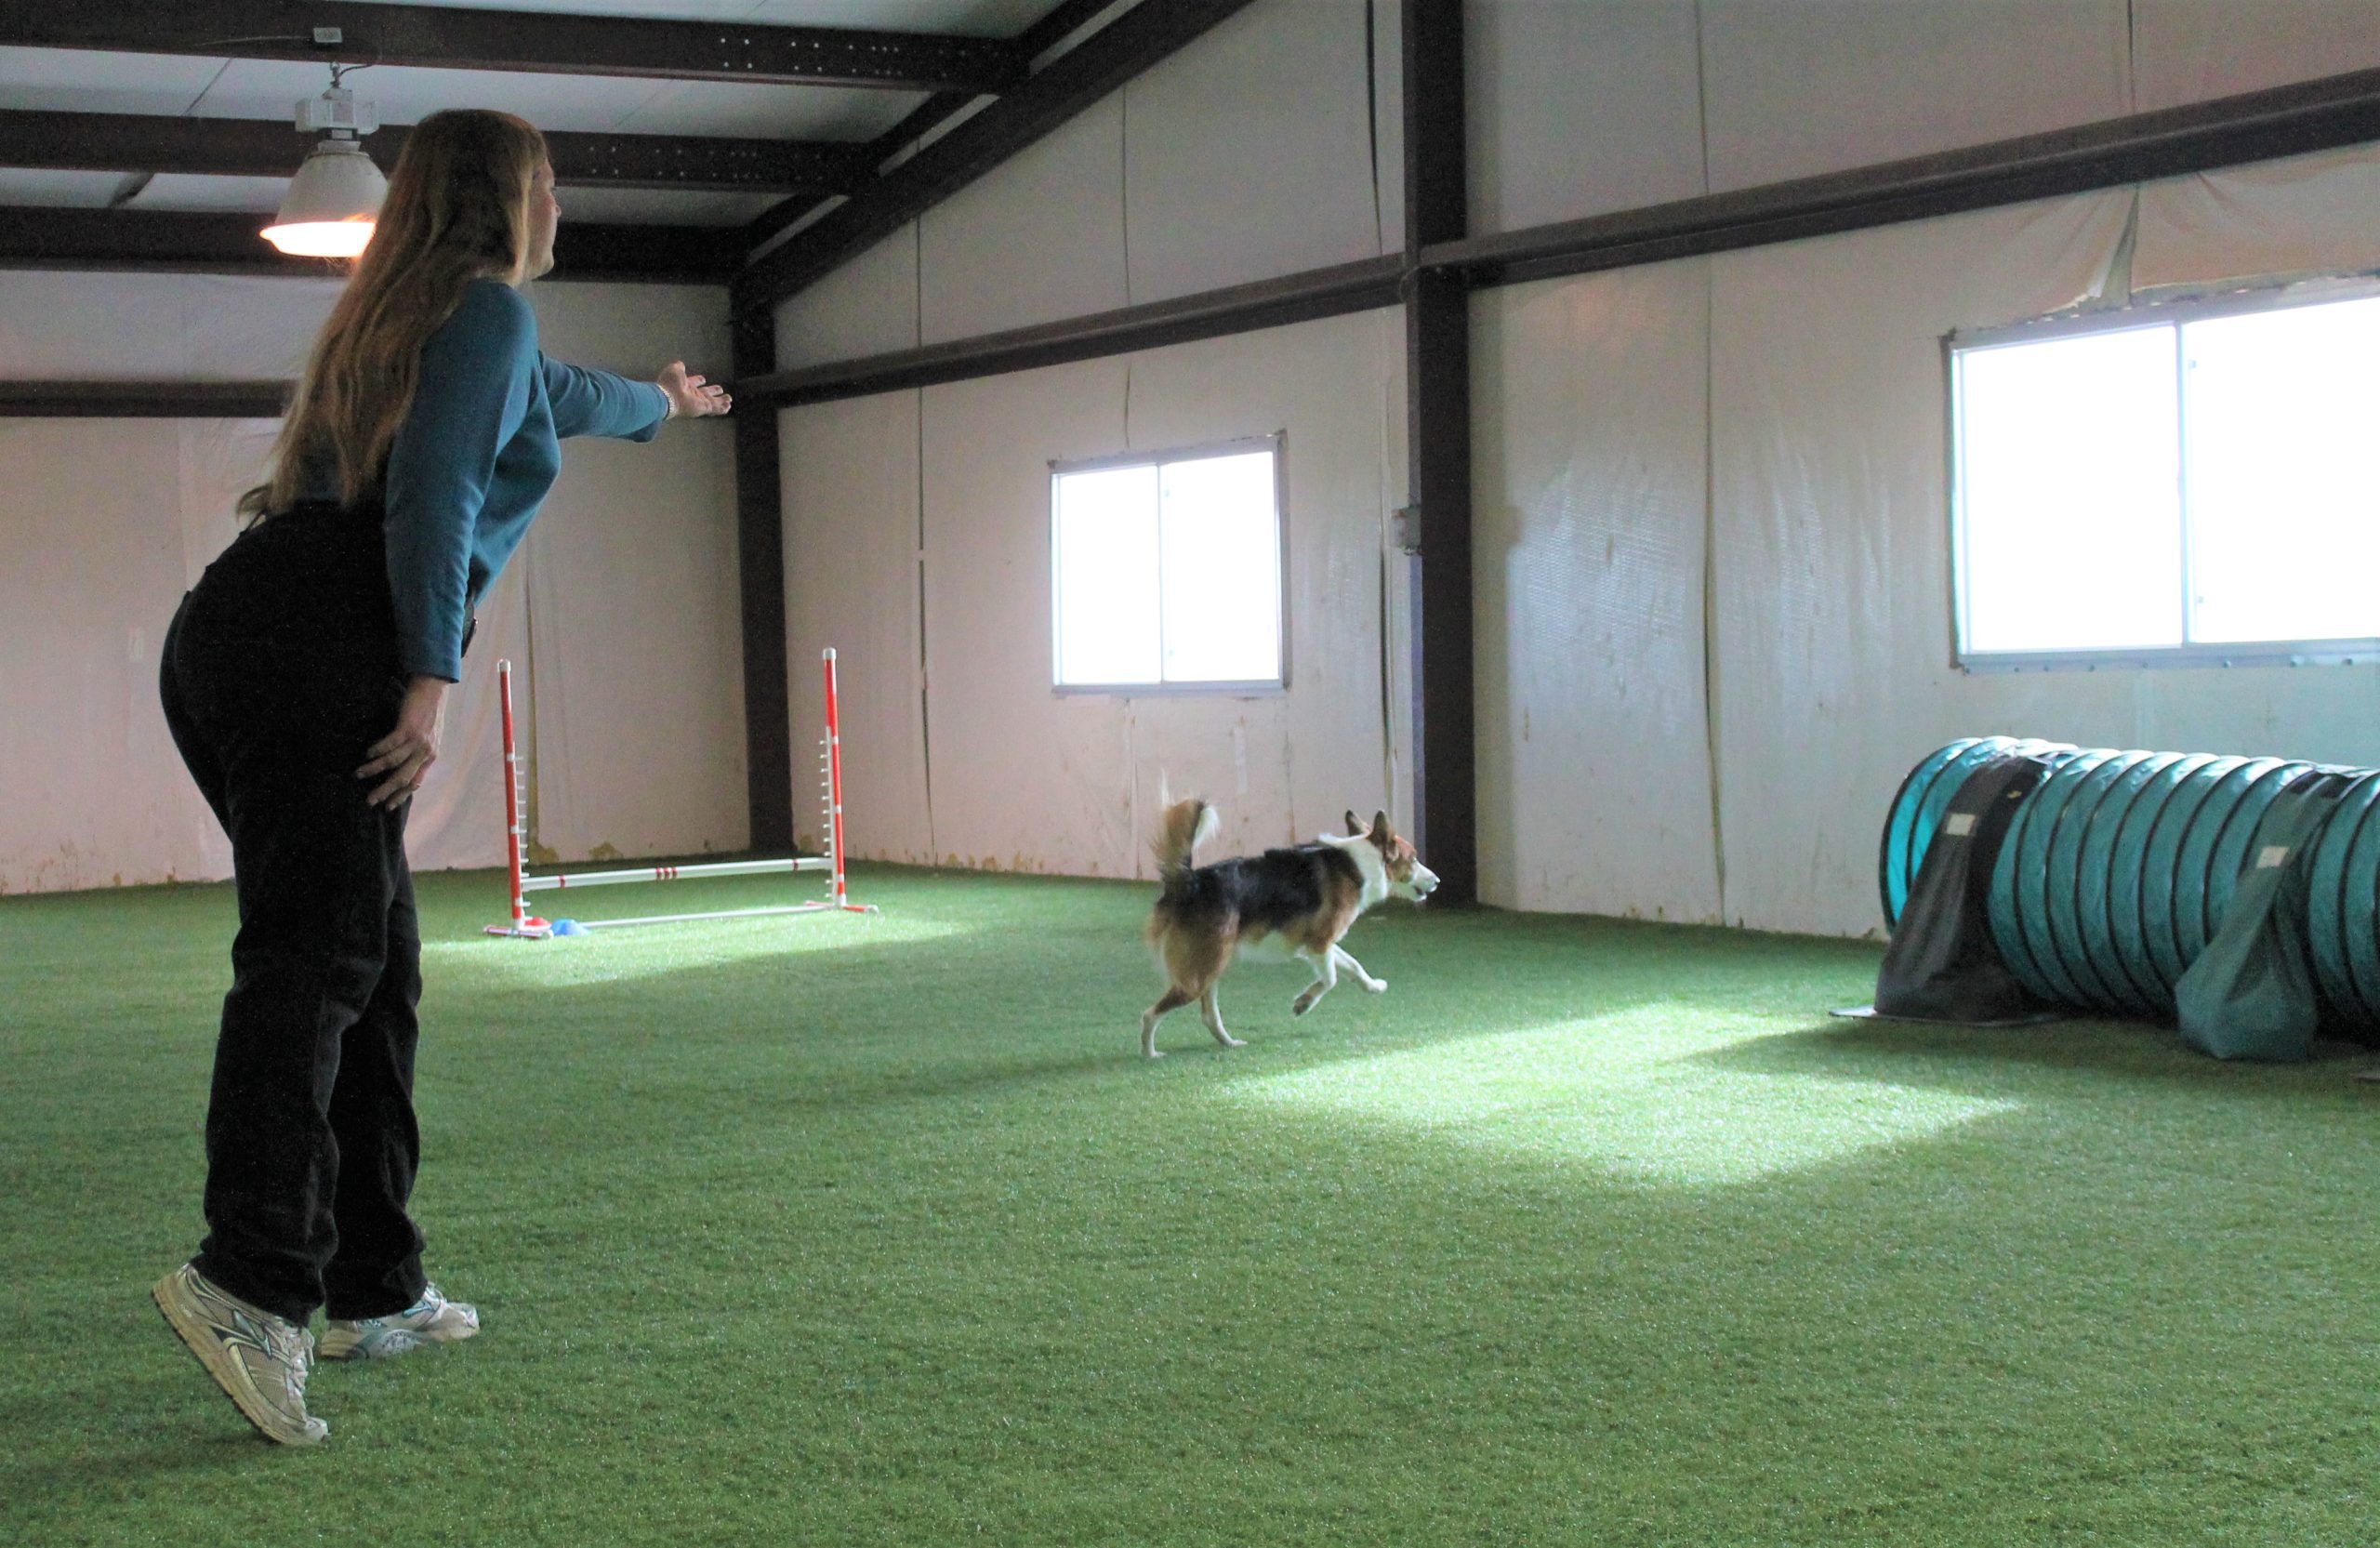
point(569, 927)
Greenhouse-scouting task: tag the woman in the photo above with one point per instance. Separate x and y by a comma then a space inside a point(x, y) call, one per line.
point(422, 439)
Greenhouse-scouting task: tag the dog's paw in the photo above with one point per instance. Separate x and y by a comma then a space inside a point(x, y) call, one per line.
point(1299, 1006)
point(1151, 1054)
point(1375, 985)
point(1235, 1042)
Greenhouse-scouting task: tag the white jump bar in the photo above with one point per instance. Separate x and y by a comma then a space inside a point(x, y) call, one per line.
point(676, 873)
point(731, 913)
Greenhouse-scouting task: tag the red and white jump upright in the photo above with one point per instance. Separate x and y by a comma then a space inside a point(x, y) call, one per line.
point(527, 926)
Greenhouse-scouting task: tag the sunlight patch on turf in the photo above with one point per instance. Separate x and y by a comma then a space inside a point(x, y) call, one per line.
point(652, 951)
point(1627, 1093)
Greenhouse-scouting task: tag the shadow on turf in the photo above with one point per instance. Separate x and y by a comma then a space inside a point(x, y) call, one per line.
point(185, 1427)
point(1986, 1060)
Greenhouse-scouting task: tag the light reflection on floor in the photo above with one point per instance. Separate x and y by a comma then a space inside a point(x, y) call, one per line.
point(652, 951)
point(1629, 1094)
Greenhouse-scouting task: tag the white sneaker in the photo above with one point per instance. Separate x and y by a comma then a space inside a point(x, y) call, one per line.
point(432, 1319)
point(258, 1359)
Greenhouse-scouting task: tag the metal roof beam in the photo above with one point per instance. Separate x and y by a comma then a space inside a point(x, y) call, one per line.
point(182, 242)
point(1364, 285)
point(273, 148)
point(143, 400)
point(453, 37)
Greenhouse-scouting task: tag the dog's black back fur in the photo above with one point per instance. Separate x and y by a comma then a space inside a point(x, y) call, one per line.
point(1265, 891)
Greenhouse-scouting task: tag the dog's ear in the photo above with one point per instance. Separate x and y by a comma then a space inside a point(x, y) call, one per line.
point(1381, 834)
point(1354, 828)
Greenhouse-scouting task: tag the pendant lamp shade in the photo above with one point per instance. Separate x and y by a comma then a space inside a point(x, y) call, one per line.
point(332, 203)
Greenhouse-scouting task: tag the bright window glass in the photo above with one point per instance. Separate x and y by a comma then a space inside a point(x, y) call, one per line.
point(1106, 539)
point(2207, 481)
point(1221, 551)
point(1168, 572)
point(2284, 474)
point(2073, 540)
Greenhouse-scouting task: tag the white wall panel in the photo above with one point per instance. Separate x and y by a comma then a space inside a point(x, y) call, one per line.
point(169, 326)
point(1039, 237)
point(1589, 518)
point(868, 306)
point(634, 328)
point(1817, 86)
point(850, 473)
point(1328, 384)
point(2307, 215)
point(249, 327)
point(1831, 531)
point(633, 625)
point(105, 326)
point(2188, 51)
point(1022, 780)
point(1580, 107)
point(92, 793)
point(1025, 778)
point(1249, 154)
point(1388, 121)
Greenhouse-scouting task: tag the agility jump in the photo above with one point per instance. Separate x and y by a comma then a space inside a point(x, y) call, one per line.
point(527, 926)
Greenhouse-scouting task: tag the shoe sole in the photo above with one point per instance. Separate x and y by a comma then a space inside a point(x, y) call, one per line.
point(199, 1343)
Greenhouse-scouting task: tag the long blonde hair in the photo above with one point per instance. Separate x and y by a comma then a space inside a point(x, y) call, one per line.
point(458, 209)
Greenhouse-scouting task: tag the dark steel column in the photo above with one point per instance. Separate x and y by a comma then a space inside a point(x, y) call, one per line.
point(1437, 417)
point(760, 549)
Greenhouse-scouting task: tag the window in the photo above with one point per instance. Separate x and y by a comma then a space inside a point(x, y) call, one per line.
point(2194, 483)
point(1165, 571)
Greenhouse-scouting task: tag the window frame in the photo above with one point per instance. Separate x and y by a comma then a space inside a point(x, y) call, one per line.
point(2172, 314)
point(1276, 443)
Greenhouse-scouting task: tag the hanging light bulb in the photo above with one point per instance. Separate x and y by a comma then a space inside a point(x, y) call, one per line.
point(334, 199)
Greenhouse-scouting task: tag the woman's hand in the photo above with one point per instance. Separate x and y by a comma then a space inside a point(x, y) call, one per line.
point(401, 759)
point(692, 397)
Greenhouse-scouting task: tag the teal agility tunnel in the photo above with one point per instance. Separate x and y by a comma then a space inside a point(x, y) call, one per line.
point(2114, 872)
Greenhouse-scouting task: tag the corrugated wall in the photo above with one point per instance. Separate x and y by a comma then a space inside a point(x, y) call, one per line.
point(1711, 509)
point(1826, 623)
point(917, 522)
point(955, 747)
point(1714, 587)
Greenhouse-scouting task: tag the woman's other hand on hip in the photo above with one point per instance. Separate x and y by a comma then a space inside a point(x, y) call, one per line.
point(401, 759)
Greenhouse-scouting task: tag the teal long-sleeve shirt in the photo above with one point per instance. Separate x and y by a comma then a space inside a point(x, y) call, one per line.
point(475, 456)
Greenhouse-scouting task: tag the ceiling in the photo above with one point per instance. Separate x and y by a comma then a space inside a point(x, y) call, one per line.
point(80, 80)
point(756, 141)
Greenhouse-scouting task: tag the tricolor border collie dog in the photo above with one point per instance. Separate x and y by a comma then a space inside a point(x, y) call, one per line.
point(1284, 903)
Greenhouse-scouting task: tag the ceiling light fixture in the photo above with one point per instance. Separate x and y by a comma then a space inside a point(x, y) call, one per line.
point(334, 199)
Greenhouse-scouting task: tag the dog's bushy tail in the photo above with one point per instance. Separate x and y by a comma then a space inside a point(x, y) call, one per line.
point(1186, 825)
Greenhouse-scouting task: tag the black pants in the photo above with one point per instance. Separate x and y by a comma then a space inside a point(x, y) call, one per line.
point(280, 669)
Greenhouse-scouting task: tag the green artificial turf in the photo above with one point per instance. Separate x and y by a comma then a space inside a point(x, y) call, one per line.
point(867, 1230)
